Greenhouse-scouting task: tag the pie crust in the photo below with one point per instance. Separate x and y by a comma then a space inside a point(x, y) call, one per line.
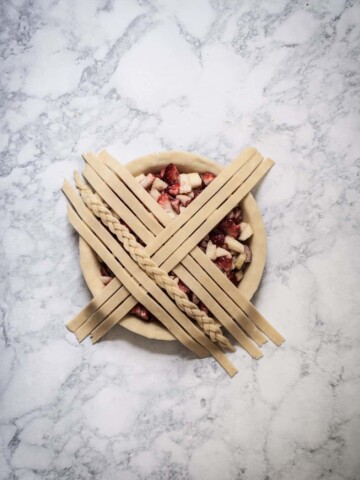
point(186, 162)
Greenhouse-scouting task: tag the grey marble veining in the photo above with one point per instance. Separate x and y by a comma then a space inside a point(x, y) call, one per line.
point(211, 77)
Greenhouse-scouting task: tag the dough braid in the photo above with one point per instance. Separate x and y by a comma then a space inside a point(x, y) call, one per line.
point(140, 256)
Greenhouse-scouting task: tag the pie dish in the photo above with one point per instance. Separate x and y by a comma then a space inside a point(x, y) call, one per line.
point(185, 162)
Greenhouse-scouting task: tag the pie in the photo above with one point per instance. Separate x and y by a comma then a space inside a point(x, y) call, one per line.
point(237, 245)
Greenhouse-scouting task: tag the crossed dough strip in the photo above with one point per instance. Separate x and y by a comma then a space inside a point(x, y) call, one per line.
point(194, 281)
point(140, 256)
point(233, 301)
point(227, 321)
point(101, 241)
point(217, 184)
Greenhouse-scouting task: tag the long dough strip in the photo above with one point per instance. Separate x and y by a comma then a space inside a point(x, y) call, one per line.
point(146, 282)
point(104, 192)
point(127, 178)
point(197, 272)
point(241, 301)
point(218, 215)
point(232, 295)
point(94, 305)
point(123, 192)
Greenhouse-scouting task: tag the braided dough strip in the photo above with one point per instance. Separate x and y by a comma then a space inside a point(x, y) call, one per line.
point(233, 296)
point(104, 191)
point(109, 196)
point(129, 282)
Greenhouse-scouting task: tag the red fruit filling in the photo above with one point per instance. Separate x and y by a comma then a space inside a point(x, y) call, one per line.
point(183, 287)
point(229, 227)
point(225, 263)
point(174, 189)
point(232, 277)
point(207, 178)
point(176, 205)
point(171, 174)
point(141, 312)
point(217, 237)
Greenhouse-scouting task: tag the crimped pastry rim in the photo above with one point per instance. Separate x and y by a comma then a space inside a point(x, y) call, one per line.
point(185, 161)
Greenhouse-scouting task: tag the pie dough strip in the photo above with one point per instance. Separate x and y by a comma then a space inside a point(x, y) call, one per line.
point(241, 301)
point(212, 220)
point(98, 179)
point(94, 305)
point(233, 296)
point(109, 197)
point(123, 192)
point(141, 296)
point(174, 243)
point(104, 310)
point(128, 179)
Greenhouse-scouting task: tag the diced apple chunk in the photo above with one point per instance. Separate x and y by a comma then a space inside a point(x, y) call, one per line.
point(140, 177)
point(159, 184)
point(184, 199)
point(234, 245)
point(245, 231)
point(211, 250)
point(221, 252)
point(147, 180)
point(155, 193)
point(240, 260)
point(194, 180)
point(239, 275)
point(185, 186)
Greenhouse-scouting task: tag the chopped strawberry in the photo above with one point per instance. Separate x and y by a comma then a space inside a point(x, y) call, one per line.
point(232, 277)
point(176, 205)
point(229, 227)
point(203, 308)
point(174, 189)
point(248, 254)
point(217, 237)
point(183, 287)
point(194, 298)
point(225, 263)
point(162, 173)
point(171, 174)
point(165, 201)
point(140, 311)
point(207, 178)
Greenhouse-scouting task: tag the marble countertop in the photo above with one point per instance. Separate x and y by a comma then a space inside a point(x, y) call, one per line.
point(210, 77)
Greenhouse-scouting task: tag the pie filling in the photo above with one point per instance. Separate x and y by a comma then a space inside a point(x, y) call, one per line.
point(226, 245)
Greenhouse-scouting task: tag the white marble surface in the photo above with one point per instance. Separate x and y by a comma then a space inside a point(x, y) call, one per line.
point(211, 77)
